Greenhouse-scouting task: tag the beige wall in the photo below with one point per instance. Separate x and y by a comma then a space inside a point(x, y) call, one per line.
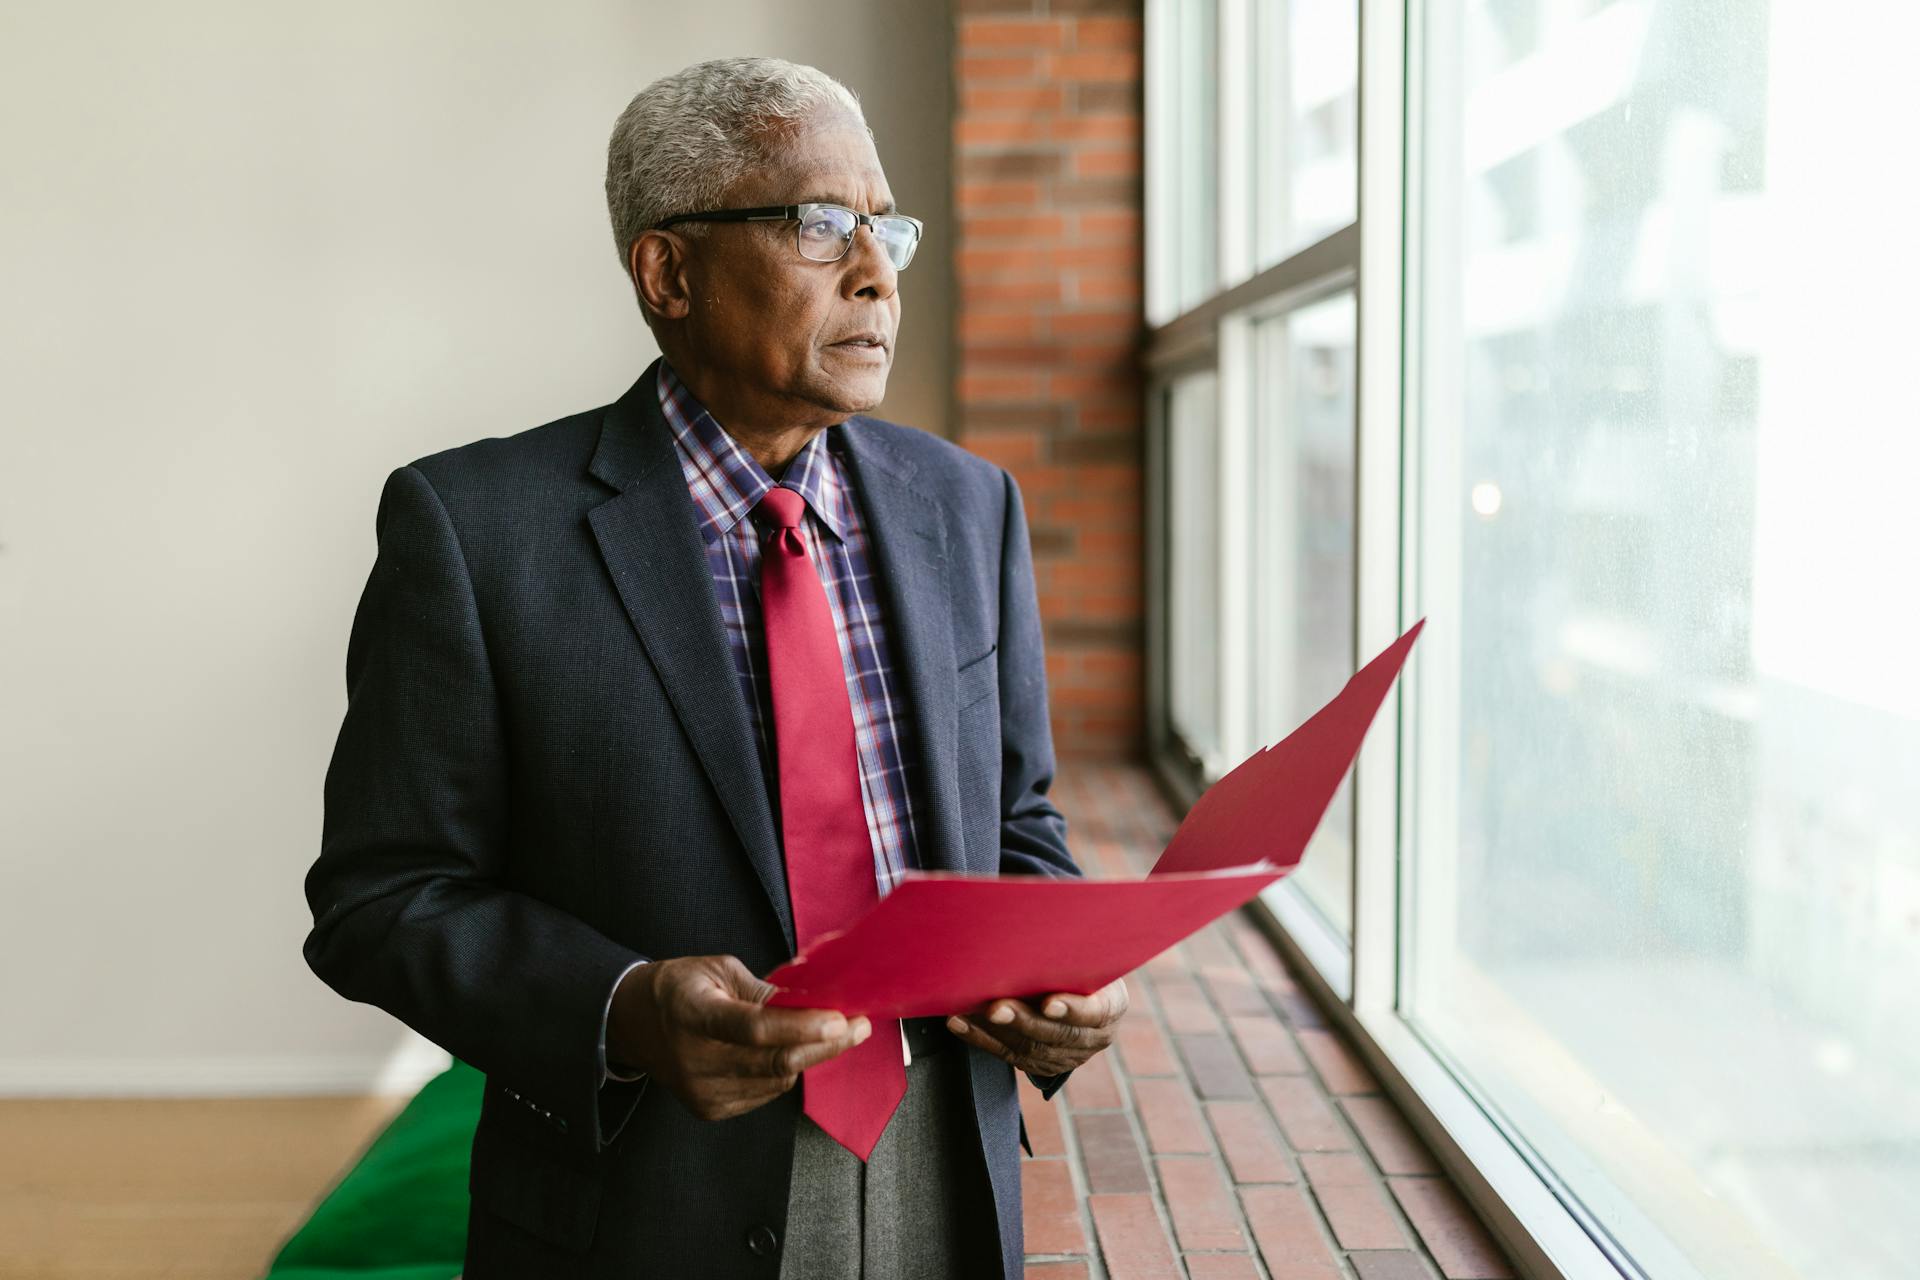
point(253, 257)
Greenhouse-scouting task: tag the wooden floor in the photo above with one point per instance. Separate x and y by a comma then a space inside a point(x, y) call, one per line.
point(200, 1189)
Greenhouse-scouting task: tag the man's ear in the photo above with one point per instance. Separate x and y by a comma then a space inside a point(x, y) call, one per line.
point(656, 261)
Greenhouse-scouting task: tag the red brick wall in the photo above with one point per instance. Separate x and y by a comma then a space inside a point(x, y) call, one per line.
point(1047, 160)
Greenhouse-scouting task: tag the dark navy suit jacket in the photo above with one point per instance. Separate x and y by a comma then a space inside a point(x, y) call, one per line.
point(546, 772)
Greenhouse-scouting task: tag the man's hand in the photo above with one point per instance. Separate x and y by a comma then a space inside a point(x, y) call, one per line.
point(1068, 1030)
point(698, 1025)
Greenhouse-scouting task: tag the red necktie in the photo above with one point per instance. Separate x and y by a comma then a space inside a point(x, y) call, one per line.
point(823, 821)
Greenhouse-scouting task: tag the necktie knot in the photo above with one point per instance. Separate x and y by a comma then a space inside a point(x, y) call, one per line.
point(781, 507)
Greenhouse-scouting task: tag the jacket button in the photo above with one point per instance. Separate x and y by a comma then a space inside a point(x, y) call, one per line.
point(762, 1241)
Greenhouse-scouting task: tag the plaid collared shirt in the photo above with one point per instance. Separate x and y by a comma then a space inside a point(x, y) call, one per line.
point(726, 483)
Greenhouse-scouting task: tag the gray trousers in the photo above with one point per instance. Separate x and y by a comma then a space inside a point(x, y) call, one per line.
point(920, 1208)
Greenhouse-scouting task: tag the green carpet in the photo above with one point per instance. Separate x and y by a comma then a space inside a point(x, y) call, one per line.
point(401, 1212)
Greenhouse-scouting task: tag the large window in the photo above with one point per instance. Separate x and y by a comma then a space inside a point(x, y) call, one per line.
point(1582, 330)
point(1667, 875)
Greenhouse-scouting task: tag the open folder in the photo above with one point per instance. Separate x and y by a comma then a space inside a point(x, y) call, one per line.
point(944, 943)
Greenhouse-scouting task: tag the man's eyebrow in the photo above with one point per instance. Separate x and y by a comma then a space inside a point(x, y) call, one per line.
point(888, 207)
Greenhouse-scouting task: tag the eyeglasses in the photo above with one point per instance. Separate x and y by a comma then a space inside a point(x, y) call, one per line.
point(826, 230)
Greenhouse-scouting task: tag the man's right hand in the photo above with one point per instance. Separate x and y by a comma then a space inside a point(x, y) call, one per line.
point(699, 1025)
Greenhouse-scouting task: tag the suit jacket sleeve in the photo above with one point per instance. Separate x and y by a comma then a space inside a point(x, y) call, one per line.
point(1033, 834)
point(411, 910)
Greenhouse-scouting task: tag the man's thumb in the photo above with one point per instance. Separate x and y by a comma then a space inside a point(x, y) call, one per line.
point(745, 985)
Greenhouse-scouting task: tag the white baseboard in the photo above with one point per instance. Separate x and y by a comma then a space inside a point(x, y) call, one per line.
point(401, 1071)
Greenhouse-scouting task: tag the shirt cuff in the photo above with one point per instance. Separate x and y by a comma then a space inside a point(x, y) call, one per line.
point(606, 1072)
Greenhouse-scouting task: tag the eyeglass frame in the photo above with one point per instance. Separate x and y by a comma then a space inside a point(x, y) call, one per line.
point(798, 213)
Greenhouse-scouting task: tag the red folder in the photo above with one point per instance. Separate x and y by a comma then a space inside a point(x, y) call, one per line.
point(1268, 805)
point(942, 943)
point(945, 943)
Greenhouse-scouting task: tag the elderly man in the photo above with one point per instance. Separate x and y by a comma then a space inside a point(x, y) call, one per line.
point(643, 700)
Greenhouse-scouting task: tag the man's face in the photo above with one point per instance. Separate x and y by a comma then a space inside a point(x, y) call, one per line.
point(768, 327)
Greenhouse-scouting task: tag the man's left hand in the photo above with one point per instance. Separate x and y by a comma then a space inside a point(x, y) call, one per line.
point(1066, 1031)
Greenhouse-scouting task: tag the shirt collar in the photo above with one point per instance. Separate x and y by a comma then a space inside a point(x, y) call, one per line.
point(727, 482)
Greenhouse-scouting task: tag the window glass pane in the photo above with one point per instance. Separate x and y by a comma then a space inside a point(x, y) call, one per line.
point(1193, 564)
point(1303, 554)
point(1305, 126)
point(1186, 238)
point(1665, 863)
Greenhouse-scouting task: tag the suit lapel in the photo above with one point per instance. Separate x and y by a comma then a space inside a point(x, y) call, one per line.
point(653, 550)
point(907, 531)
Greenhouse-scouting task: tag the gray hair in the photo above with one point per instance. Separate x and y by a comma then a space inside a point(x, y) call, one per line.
point(688, 138)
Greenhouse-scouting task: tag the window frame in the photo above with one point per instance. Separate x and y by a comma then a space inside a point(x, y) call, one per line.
point(1359, 979)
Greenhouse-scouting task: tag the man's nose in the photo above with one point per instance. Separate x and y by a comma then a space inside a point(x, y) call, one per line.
point(870, 267)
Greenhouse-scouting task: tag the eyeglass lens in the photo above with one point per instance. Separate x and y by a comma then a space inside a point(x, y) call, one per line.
point(826, 232)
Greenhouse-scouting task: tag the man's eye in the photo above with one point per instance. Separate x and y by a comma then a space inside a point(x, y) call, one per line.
point(825, 228)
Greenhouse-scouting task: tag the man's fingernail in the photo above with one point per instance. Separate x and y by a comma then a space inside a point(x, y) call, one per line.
point(1003, 1015)
point(835, 1028)
point(1057, 1009)
point(956, 1024)
point(861, 1030)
